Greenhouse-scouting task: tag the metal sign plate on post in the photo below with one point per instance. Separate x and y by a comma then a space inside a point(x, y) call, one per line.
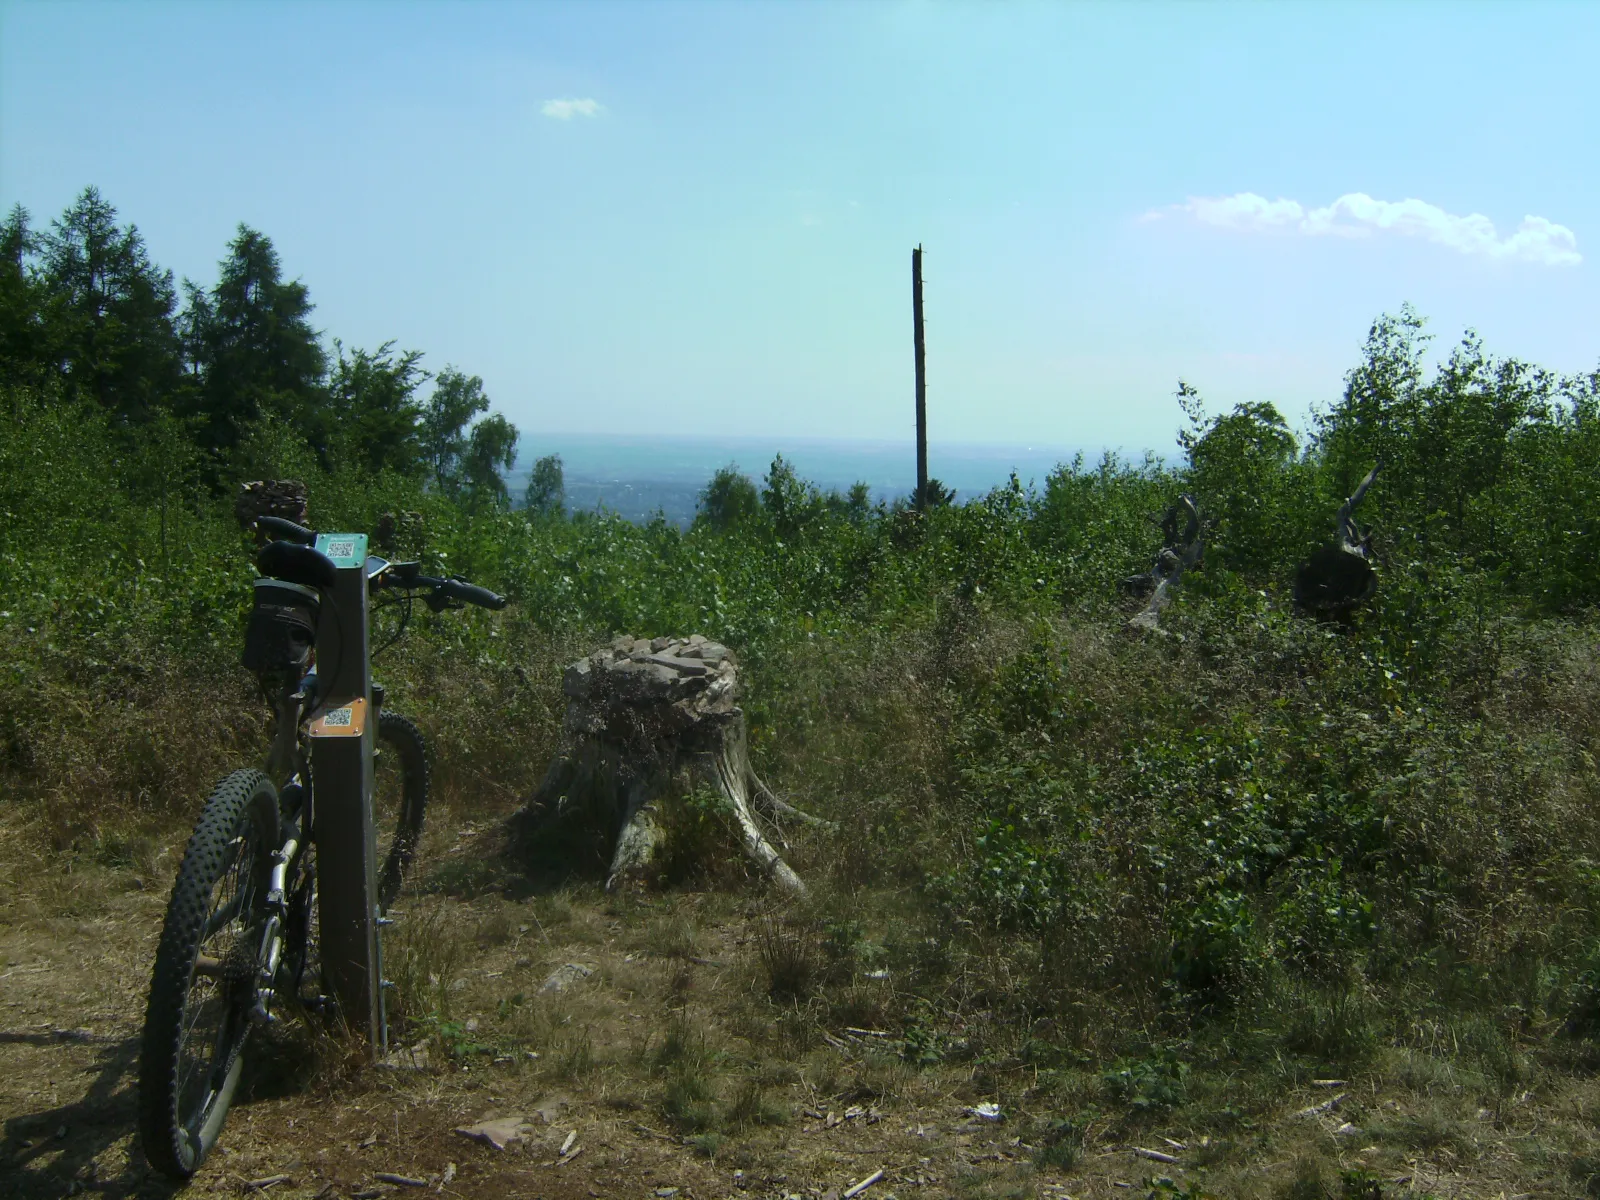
point(341, 765)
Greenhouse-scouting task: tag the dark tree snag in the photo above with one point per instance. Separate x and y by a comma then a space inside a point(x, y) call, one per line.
point(284, 498)
point(1339, 578)
point(397, 533)
point(646, 722)
point(1180, 552)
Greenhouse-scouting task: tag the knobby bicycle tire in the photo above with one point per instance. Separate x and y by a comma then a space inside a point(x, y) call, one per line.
point(216, 912)
point(399, 819)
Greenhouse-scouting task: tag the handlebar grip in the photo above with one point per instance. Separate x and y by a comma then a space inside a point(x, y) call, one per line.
point(460, 589)
point(287, 530)
point(297, 564)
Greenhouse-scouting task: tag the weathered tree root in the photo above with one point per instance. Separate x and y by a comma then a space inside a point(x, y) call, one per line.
point(1179, 552)
point(648, 720)
point(1338, 579)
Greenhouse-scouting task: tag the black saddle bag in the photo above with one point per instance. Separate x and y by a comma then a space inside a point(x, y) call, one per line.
point(283, 627)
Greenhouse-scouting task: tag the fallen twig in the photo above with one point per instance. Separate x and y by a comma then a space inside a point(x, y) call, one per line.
point(262, 1184)
point(399, 1180)
point(856, 1189)
point(1159, 1156)
point(1323, 1109)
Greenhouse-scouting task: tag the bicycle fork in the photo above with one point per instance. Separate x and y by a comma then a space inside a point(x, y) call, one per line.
point(270, 954)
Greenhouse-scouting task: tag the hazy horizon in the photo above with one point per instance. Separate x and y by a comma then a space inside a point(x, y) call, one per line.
point(638, 475)
point(698, 218)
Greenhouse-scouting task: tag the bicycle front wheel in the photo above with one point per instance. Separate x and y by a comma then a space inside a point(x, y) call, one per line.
point(399, 801)
point(203, 986)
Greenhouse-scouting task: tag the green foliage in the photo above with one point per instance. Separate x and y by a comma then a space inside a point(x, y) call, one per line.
point(252, 351)
point(546, 487)
point(108, 312)
point(730, 499)
point(456, 400)
point(1243, 466)
point(1152, 1083)
point(464, 453)
point(491, 451)
point(374, 416)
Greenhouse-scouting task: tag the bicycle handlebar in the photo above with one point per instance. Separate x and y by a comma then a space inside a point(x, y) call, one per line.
point(292, 556)
point(287, 531)
point(460, 589)
point(406, 575)
point(297, 564)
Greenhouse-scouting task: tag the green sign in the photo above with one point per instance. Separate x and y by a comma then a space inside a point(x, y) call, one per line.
point(345, 549)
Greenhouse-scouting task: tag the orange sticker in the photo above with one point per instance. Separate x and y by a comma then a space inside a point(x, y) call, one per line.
point(348, 721)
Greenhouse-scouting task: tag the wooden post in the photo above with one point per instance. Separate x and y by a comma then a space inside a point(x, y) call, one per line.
point(341, 762)
point(922, 379)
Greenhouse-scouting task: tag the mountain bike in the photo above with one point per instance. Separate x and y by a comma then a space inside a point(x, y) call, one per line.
point(286, 881)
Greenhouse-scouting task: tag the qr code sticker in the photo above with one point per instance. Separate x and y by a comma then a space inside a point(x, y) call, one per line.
point(341, 549)
point(338, 718)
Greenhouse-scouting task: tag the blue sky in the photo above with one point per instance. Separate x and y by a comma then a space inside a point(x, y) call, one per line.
point(709, 231)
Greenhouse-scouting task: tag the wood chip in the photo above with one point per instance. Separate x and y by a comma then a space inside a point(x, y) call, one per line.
point(499, 1134)
point(1329, 1082)
point(567, 1145)
point(855, 1189)
point(399, 1180)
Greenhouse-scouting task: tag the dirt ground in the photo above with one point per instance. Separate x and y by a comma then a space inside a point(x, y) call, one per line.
point(657, 1062)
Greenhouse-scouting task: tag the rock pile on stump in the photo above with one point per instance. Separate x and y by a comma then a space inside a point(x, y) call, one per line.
point(647, 720)
point(284, 498)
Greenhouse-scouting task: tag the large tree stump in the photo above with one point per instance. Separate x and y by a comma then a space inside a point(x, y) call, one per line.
point(643, 718)
point(1337, 579)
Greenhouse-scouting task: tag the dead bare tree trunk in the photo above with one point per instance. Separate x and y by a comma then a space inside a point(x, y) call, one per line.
point(1179, 552)
point(1339, 578)
point(647, 722)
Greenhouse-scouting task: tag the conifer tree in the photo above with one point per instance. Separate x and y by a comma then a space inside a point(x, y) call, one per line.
point(253, 349)
point(109, 310)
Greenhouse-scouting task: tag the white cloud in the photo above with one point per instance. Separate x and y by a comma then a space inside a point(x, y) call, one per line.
point(1357, 215)
point(565, 110)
